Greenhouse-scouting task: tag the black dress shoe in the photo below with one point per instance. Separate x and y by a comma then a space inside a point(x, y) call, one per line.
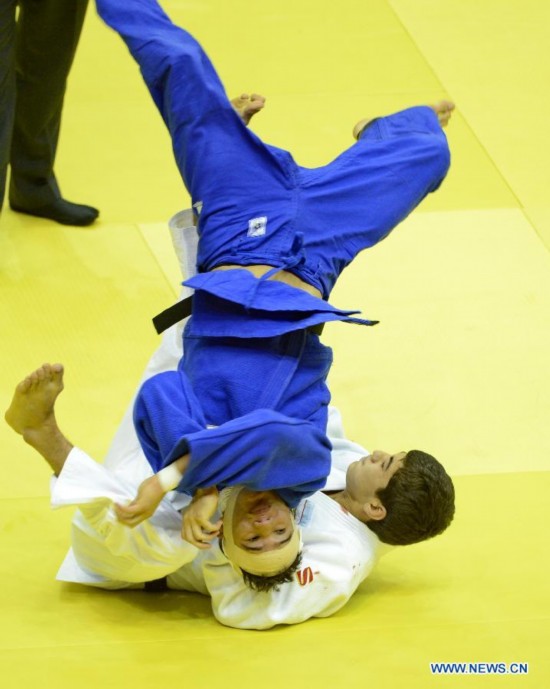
point(63, 212)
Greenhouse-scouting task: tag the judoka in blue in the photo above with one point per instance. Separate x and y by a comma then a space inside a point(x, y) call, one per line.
point(252, 366)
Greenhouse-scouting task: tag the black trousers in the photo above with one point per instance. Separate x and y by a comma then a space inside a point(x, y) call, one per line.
point(37, 48)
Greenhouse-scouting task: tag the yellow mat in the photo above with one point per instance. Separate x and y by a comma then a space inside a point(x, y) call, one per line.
point(458, 365)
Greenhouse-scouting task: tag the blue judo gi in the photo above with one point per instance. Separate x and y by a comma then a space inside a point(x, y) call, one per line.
point(248, 346)
point(263, 449)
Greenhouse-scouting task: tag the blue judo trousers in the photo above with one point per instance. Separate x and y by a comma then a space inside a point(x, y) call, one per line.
point(248, 351)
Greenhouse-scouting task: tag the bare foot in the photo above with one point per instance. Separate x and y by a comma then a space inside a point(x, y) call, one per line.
point(34, 398)
point(31, 414)
point(443, 109)
point(248, 106)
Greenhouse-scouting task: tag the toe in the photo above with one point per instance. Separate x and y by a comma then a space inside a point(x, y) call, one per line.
point(25, 385)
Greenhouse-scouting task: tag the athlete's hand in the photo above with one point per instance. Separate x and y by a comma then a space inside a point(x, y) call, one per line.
point(149, 495)
point(197, 527)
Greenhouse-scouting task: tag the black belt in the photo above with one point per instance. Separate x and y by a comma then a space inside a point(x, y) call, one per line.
point(177, 312)
point(173, 314)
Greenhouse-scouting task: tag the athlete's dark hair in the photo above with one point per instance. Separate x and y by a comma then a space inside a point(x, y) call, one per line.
point(419, 501)
point(273, 583)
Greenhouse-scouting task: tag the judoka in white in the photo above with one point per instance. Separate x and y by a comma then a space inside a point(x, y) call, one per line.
point(337, 555)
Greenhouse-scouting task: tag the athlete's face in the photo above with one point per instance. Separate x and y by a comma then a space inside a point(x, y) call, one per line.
point(261, 521)
point(372, 473)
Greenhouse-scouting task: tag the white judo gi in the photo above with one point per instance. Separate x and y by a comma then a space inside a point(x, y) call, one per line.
point(338, 550)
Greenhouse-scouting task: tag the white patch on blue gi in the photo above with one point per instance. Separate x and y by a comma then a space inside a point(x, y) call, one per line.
point(257, 227)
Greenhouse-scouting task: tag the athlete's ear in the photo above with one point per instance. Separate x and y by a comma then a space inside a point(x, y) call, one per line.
point(374, 510)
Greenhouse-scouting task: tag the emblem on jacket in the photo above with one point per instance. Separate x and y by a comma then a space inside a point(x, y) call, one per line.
point(305, 576)
point(257, 227)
